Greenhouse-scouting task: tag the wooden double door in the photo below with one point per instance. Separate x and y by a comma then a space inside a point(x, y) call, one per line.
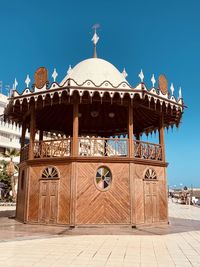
point(151, 201)
point(48, 201)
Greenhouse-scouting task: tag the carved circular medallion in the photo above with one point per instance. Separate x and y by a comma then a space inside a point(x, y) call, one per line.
point(41, 77)
point(103, 178)
point(163, 84)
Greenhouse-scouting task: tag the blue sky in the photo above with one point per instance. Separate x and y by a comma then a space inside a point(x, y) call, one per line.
point(157, 36)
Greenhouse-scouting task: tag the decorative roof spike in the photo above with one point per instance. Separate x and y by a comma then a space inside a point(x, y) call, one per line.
point(141, 76)
point(15, 84)
point(124, 73)
point(180, 93)
point(172, 88)
point(54, 75)
point(153, 80)
point(27, 81)
point(69, 69)
point(95, 39)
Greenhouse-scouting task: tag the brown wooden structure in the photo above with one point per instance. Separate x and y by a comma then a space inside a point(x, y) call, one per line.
point(88, 165)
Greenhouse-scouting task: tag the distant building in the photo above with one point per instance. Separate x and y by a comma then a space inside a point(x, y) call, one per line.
point(9, 132)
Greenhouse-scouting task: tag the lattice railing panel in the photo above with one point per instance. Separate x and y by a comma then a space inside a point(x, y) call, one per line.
point(52, 148)
point(145, 150)
point(103, 147)
point(24, 152)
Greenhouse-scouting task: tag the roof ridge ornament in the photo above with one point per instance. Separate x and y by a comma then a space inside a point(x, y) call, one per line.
point(153, 80)
point(180, 93)
point(141, 76)
point(172, 88)
point(95, 39)
point(27, 81)
point(15, 84)
point(54, 75)
point(124, 73)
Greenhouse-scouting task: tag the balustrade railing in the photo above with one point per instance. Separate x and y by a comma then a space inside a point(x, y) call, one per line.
point(93, 147)
point(103, 147)
point(145, 150)
point(52, 148)
point(24, 152)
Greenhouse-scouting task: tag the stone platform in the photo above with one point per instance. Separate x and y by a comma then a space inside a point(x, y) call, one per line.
point(177, 244)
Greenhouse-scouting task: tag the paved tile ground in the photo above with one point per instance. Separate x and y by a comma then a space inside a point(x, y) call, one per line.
point(177, 244)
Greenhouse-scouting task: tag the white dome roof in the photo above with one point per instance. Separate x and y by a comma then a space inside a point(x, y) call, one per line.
point(97, 70)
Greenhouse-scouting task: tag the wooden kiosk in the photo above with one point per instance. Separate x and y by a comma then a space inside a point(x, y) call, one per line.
point(87, 165)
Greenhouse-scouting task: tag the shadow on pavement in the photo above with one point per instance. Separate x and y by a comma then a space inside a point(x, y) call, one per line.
point(10, 229)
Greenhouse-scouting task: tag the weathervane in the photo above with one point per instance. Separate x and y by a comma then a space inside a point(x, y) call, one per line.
point(95, 38)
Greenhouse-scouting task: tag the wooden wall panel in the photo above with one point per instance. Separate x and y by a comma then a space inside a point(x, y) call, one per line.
point(21, 194)
point(163, 208)
point(33, 194)
point(96, 207)
point(64, 194)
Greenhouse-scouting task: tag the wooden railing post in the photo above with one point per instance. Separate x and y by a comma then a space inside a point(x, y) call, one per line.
point(161, 137)
point(130, 131)
point(32, 132)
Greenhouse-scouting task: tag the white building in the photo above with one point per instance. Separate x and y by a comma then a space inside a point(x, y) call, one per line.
point(9, 133)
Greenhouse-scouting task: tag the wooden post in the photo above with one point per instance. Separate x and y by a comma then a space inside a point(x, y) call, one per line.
point(23, 136)
point(130, 130)
point(75, 142)
point(161, 137)
point(41, 135)
point(32, 131)
point(75, 152)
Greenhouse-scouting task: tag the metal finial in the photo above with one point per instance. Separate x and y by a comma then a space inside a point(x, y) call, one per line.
point(141, 76)
point(15, 84)
point(180, 93)
point(124, 73)
point(27, 81)
point(95, 39)
point(172, 88)
point(54, 75)
point(153, 80)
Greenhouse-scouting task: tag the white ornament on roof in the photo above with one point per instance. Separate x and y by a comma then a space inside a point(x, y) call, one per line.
point(153, 80)
point(141, 76)
point(95, 37)
point(15, 84)
point(180, 93)
point(27, 81)
point(69, 70)
point(172, 88)
point(54, 75)
point(124, 73)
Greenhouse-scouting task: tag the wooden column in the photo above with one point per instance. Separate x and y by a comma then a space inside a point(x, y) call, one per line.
point(32, 131)
point(41, 135)
point(75, 142)
point(75, 152)
point(161, 136)
point(23, 136)
point(130, 130)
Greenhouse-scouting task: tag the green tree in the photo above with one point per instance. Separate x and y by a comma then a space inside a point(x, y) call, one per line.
point(11, 169)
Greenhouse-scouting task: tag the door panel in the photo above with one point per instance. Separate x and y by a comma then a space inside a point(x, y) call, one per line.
point(48, 201)
point(151, 201)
